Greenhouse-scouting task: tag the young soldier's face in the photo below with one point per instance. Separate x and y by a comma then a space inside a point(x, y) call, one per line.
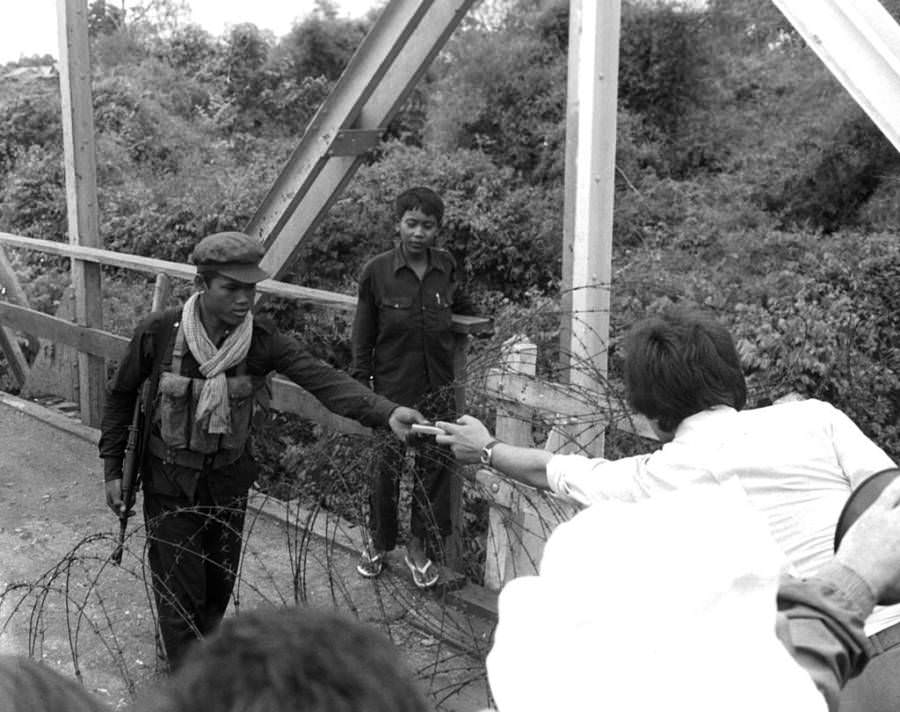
point(228, 300)
point(417, 232)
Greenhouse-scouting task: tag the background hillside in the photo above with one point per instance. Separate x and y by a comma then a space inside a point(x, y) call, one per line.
point(747, 180)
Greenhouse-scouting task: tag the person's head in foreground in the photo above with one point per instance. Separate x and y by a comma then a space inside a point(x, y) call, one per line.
point(288, 659)
point(29, 686)
point(679, 363)
point(665, 604)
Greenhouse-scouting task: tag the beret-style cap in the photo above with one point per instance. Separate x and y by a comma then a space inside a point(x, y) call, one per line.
point(232, 254)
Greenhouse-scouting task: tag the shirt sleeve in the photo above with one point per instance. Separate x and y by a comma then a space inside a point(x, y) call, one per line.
point(335, 389)
point(821, 624)
point(121, 394)
point(858, 456)
point(365, 330)
point(588, 480)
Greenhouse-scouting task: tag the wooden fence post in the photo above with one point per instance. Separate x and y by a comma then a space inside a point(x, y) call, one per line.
point(9, 342)
point(520, 356)
point(162, 288)
point(81, 192)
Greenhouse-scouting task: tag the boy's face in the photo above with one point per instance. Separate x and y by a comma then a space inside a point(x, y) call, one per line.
point(417, 232)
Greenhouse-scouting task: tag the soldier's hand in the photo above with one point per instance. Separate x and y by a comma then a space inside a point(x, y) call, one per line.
point(114, 496)
point(402, 418)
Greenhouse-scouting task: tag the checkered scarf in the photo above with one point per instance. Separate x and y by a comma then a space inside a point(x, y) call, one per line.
point(213, 403)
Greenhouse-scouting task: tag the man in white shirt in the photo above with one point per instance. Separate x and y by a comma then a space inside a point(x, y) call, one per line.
point(797, 461)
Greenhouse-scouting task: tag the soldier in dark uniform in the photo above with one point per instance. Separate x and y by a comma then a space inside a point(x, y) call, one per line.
point(208, 362)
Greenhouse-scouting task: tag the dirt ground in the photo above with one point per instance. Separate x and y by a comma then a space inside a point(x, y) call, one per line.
point(63, 602)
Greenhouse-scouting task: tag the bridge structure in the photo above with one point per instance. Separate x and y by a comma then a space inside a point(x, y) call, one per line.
point(856, 39)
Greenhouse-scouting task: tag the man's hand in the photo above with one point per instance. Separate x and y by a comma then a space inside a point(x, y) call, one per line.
point(114, 496)
point(466, 438)
point(871, 547)
point(402, 418)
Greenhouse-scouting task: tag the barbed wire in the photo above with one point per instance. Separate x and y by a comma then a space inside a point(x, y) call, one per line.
point(300, 547)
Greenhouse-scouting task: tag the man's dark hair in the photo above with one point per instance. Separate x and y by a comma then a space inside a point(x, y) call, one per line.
point(26, 684)
point(681, 363)
point(286, 659)
point(420, 198)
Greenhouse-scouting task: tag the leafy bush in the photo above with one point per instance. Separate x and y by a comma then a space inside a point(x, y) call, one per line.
point(839, 176)
point(506, 238)
point(811, 314)
point(31, 117)
point(33, 201)
point(662, 56)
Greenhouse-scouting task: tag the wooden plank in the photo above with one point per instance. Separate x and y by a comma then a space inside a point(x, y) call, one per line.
point(563, 402)
point(504, 519)
point(179, 270)
point(98, 343)
point(287, 396)
point(15, 359)
point(590, 188)
point(9, 342)
point(463, 324)
point(162, 288)
point(81, 191)
point(571, 158)
point(12, 290)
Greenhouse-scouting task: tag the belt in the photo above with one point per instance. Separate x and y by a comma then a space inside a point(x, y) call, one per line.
point(885, 639)
point(190, 459)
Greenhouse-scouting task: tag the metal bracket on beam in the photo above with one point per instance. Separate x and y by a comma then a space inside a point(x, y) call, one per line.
point(354, 142)
point(859, 42)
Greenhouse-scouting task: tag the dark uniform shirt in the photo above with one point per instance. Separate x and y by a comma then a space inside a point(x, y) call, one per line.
point(270, 351)
point(402, 336)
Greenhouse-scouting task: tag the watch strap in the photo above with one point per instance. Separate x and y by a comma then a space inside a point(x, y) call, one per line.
point(487, 453)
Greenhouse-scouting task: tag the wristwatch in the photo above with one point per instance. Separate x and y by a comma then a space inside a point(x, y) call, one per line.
point(486, 452)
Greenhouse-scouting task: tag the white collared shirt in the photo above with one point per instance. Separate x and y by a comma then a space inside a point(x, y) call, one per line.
point(797, 461)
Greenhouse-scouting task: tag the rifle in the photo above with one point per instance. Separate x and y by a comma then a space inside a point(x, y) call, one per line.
point(139, 431)
point(130, 473)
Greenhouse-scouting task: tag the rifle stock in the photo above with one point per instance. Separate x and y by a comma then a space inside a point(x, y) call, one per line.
point(130, 473)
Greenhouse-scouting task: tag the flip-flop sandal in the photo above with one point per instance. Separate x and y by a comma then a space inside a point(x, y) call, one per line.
point(370, 565)
point(424, 577)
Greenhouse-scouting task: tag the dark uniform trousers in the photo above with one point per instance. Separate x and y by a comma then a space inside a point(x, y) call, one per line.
point(194, 533)
point(430, 513)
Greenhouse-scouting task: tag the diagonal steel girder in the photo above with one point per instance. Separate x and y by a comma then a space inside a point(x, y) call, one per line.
point(859, 42)
point(390, 61)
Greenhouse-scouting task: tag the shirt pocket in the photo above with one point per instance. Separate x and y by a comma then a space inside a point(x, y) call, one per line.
point(396, 313)
point(438, 311)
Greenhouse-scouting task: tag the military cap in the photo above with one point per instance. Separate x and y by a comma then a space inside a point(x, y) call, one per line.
point(235, 255)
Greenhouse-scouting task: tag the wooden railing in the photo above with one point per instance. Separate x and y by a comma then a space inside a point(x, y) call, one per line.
point(287, 396)
point(520, 520)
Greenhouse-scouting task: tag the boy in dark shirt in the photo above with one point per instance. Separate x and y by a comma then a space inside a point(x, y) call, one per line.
point(403, 347)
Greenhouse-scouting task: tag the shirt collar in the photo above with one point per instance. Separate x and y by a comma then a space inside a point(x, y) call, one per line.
point(712, 418)
point(398, 261)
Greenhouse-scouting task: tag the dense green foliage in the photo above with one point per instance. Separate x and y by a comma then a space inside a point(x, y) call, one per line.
point(747, 180)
